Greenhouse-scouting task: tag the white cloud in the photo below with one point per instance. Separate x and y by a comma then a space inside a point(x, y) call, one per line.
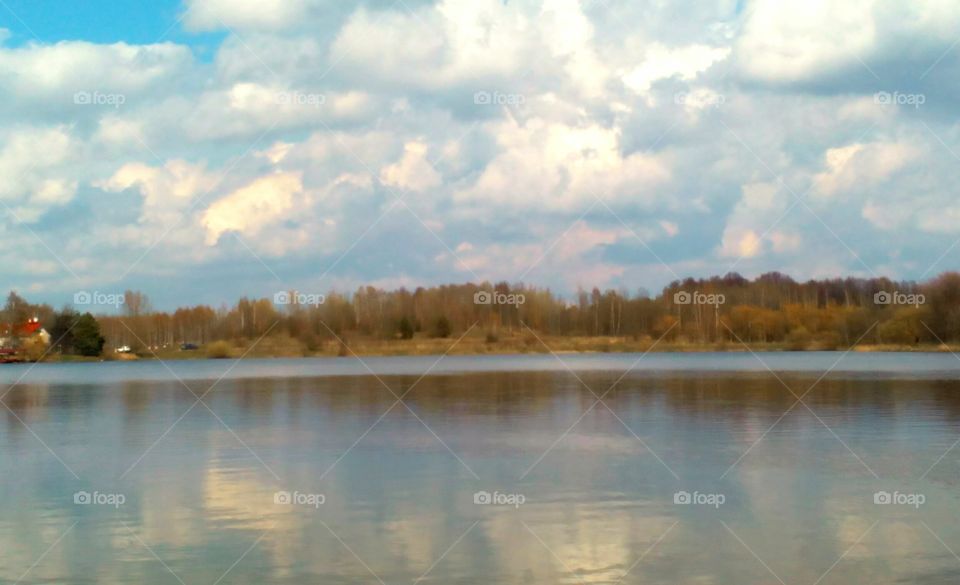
point(752, 217)
point(885, 217)
point(305, 115)
point(859, 166)
point(35, 164)
point(663, 63)
point(568, 34)
point(59, 71)
point(670, 228)
point(571, 255)
point(793, 40)
point(117, 131)
point(452, 42)
point(167, 191)
point(784, 241)
point(253, 207)
point(413, 172)
point(786, 41)
point(943, 220)
point(554, 166)
point(245, 14)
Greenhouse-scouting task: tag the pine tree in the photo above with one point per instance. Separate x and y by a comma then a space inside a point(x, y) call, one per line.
point(443, 327)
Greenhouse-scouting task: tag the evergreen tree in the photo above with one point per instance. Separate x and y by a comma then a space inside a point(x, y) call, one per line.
point(443, 326)
point(61, 333)
point(87, 339)
point(406, 329)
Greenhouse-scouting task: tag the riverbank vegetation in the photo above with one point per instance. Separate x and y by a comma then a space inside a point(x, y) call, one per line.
point(772, 311)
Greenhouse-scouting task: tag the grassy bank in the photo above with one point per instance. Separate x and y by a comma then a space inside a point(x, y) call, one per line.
point(285, 347)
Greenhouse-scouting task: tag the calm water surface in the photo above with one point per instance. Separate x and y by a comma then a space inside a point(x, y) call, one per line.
point(312, 471)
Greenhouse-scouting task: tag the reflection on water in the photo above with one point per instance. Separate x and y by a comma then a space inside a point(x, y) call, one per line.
point(200, 481)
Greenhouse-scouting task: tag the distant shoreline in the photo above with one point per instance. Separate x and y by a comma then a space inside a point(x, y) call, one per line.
point(480, 347)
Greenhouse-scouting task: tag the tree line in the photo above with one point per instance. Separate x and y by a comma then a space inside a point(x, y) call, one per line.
point(772, 308)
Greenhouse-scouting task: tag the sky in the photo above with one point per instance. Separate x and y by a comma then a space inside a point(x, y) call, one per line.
point(204, 150)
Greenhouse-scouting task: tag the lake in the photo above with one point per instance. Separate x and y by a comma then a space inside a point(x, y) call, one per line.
point(693, 468)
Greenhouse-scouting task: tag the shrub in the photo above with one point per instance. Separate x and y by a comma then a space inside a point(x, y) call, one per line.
point(219, 350)
point(830, 340)
point(798, 339)
point(35, 349)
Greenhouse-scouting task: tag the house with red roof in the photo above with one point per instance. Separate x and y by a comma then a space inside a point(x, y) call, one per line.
point(15, 338)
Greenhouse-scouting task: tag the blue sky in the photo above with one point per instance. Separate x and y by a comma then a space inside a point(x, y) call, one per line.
point(209, 149)
point(132, 21)
point(100, 21)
